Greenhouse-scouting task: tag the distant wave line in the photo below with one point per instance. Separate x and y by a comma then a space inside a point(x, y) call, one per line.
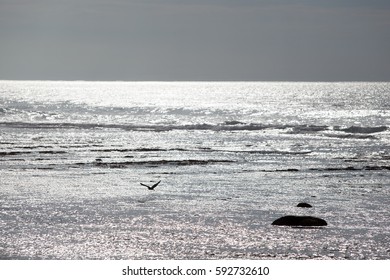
point(146, 150)
point(226, 126)
point(155, 162)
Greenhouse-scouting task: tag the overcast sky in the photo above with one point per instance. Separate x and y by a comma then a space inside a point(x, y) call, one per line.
point(260, 40)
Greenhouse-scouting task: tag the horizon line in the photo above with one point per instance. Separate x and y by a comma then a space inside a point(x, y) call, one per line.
point(201, 81)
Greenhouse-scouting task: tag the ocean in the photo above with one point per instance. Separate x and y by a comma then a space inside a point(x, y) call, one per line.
point(232, 157)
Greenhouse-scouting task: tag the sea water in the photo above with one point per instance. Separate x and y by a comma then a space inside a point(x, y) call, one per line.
point(232, 157)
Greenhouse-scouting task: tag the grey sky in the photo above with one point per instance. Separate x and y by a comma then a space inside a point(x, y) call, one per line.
point(305, 40)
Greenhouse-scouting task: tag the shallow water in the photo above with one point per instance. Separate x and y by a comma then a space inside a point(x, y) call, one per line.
point(232, 157)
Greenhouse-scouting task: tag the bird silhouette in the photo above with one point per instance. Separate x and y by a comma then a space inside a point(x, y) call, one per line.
point(151, 187)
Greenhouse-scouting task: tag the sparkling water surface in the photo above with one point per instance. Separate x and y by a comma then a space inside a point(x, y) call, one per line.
point(232, 157)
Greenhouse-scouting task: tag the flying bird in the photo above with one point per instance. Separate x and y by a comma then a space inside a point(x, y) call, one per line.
point(151, 187)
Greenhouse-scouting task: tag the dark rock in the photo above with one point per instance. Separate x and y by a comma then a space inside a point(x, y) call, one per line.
point(304, 204)
point(368, 130)
point(305, 221)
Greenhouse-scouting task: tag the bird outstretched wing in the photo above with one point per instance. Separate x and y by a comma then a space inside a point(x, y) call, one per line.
point(155, 185)
point(151, 187)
